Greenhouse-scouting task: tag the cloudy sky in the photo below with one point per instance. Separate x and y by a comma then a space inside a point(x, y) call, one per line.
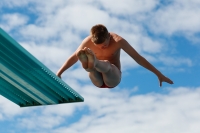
point(165, 32)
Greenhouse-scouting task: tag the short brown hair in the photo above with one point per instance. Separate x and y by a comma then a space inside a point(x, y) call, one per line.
point(99, 33)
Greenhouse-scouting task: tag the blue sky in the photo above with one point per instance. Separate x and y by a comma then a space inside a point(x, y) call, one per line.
point(166, 33)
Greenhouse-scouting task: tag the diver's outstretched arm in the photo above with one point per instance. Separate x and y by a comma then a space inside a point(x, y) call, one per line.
point(68, 63)
point(143, 62)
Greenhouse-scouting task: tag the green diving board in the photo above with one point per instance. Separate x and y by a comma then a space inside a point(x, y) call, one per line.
point(25, 81)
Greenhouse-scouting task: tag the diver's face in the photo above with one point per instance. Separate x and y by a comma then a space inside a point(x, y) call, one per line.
point(105, 44)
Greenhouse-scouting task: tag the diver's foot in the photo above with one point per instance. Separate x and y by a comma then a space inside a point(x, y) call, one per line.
point(83, 58)
point(92, 61)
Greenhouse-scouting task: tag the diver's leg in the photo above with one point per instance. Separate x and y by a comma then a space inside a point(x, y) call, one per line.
point(110, 73)
point(95, 76)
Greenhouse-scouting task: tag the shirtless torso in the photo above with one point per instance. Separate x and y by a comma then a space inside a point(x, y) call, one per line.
point(110, 52)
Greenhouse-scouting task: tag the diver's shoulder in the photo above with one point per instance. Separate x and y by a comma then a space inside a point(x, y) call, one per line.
point(87, 39)
point(116, 37)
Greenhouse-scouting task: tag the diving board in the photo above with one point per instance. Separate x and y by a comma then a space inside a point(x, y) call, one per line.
point(25, 81)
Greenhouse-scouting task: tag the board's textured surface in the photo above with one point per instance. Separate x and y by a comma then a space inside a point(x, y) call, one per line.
point(26, 81)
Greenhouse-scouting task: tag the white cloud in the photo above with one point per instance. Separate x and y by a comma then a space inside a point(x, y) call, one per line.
point(79, 73)
point(37, 32)
point(127, 62)
point(177, 17)
point(118, 112)
point(57, 32)
point(10, 3)
point(49, 55)
point(76, 16)
point(8, 109)
point(11, 21)
point(150, 46)
point(129, 7)
point(175, 61)
point(60, 25)
point(41, 122)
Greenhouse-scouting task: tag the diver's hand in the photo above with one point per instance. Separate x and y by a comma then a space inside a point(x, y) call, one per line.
point(162, 78)
point(57, 74)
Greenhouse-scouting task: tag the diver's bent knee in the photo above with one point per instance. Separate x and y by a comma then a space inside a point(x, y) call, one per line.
point(109, 66)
